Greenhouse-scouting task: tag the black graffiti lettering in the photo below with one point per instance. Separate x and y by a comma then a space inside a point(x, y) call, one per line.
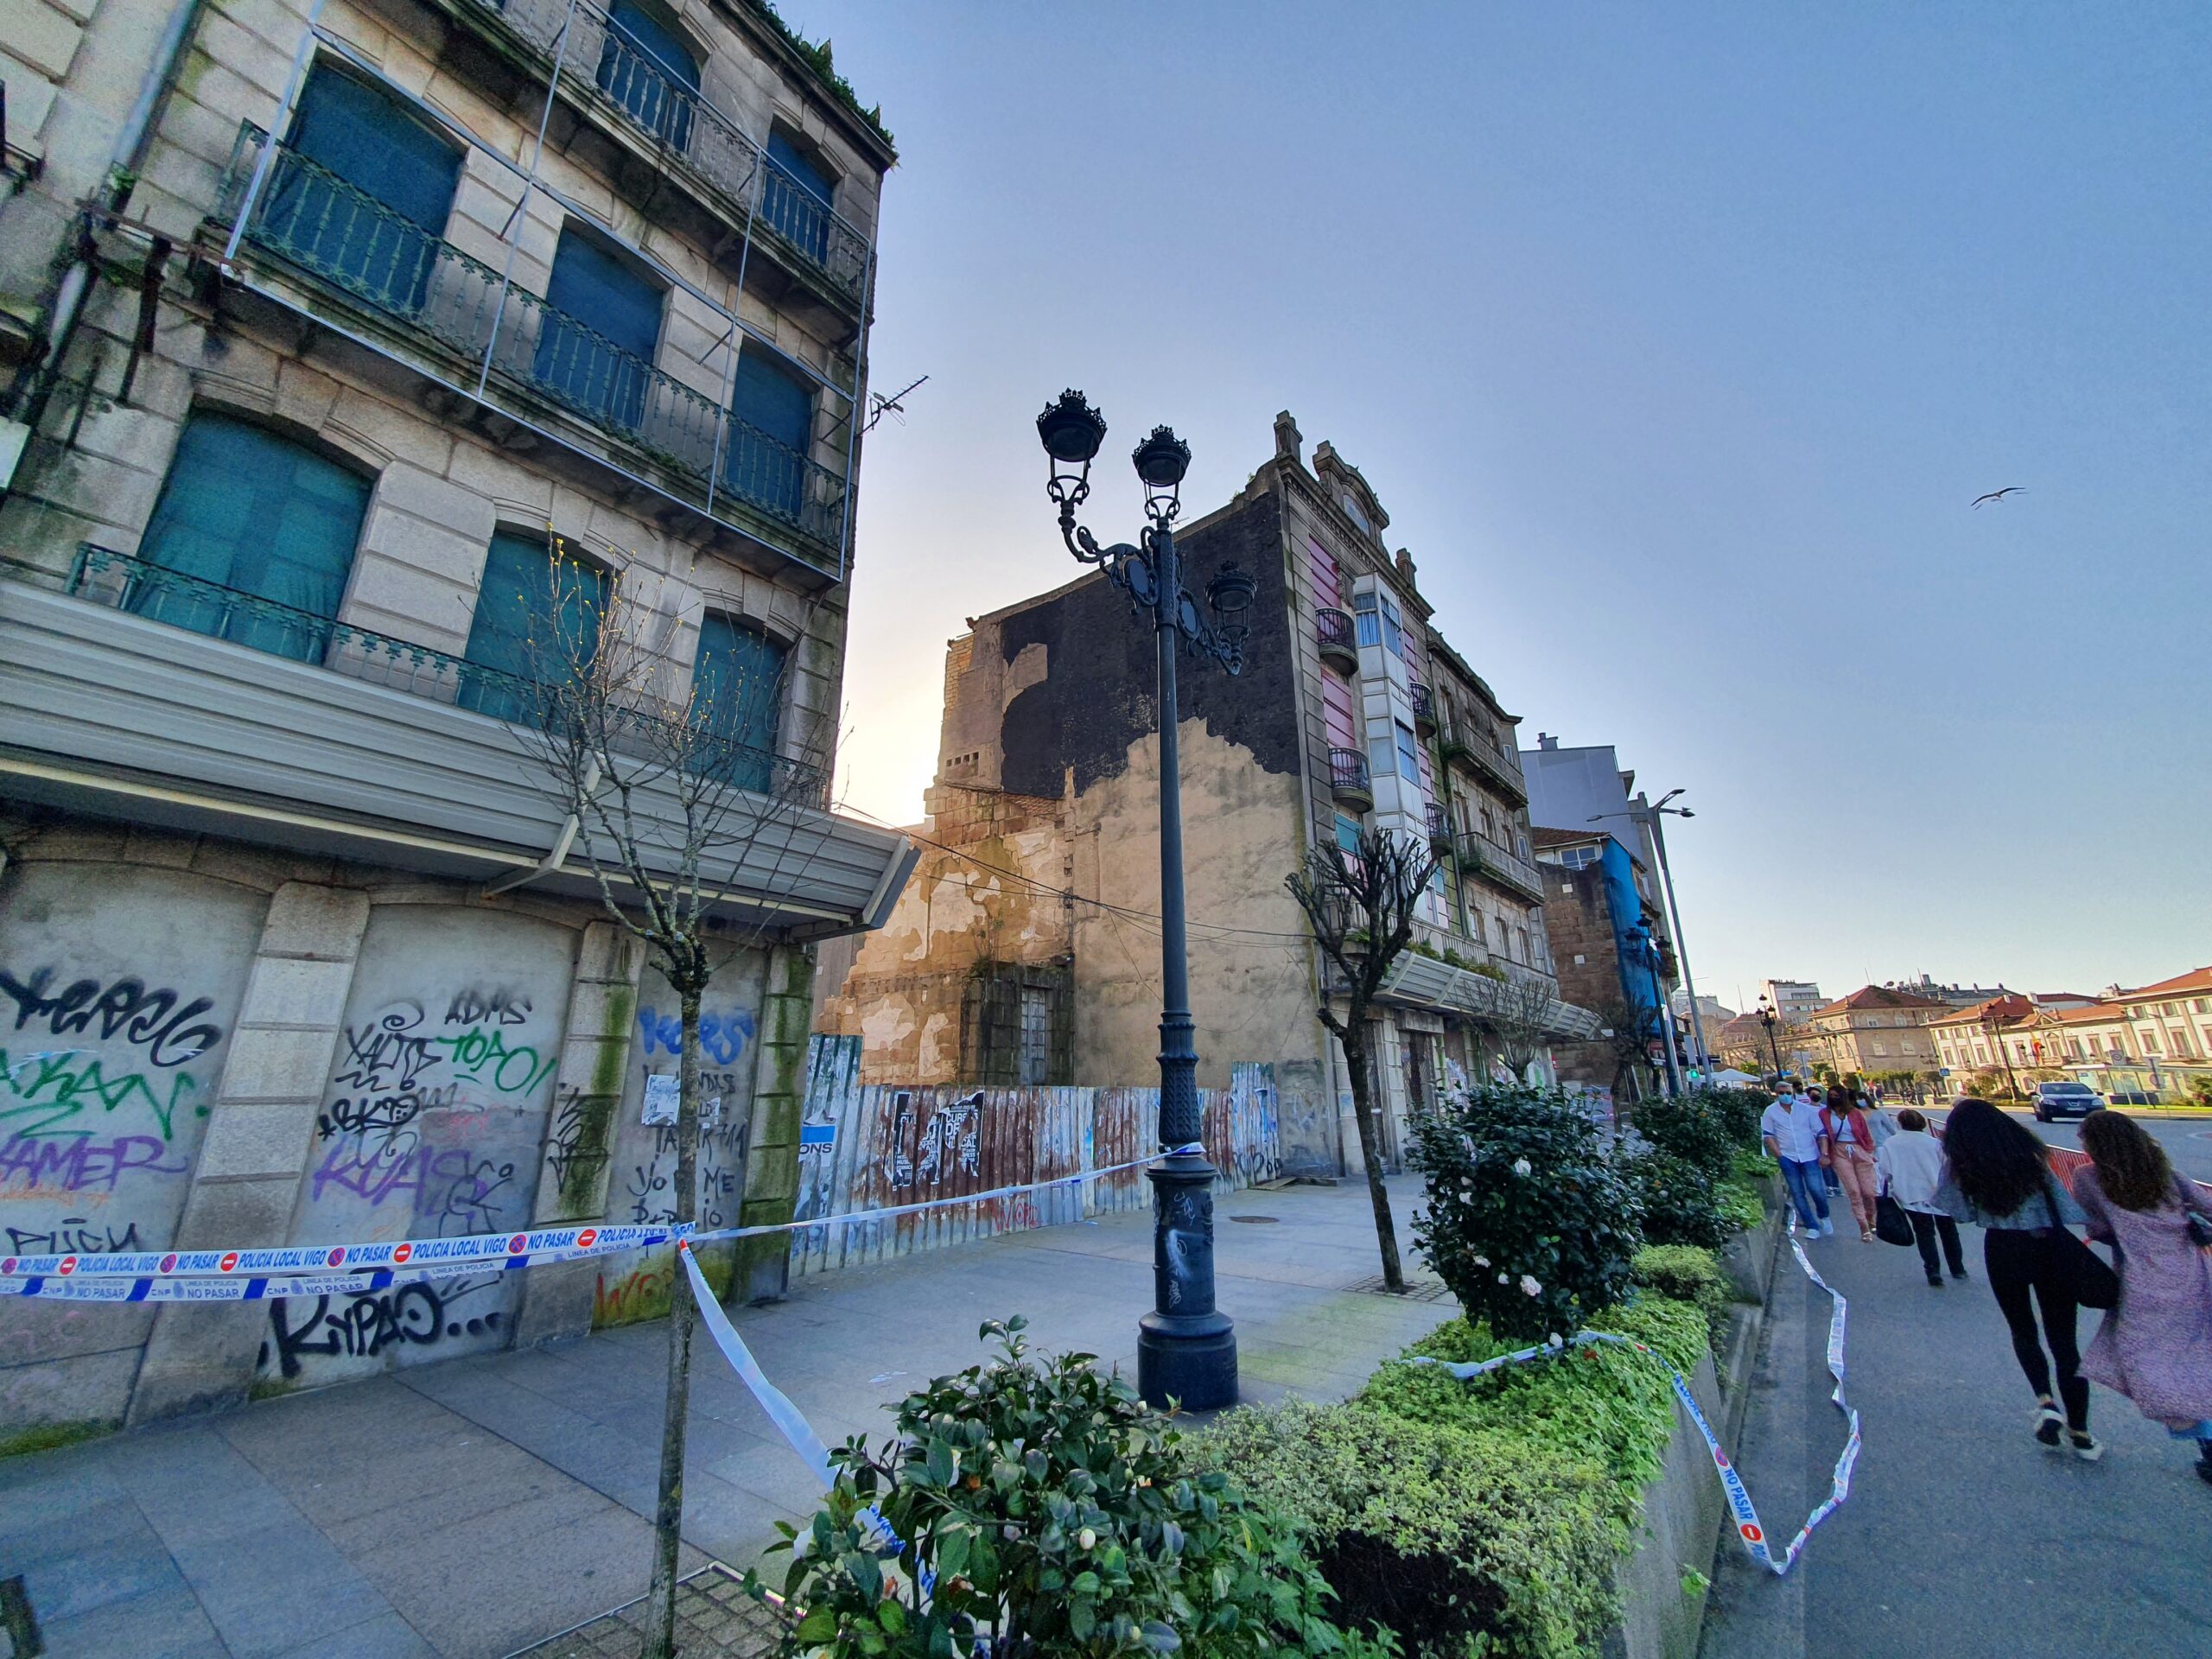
point(372, 1116)
point(568, 1155)
point(385, 1056)
point(363, 1325)
point(474, 1007)
point(74, 1235)
point(472, 1200)
point(152, 1020)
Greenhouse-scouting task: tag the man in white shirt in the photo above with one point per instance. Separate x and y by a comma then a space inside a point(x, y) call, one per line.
point(1791, 1128)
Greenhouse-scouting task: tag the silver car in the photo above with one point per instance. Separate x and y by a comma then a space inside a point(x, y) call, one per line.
point(2066, 1100)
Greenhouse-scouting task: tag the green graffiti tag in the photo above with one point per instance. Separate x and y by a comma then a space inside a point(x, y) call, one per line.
point(482, 1054)
point(41, 1093)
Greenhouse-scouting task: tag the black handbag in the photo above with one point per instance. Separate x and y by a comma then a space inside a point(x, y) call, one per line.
point(2081, 1272)
point(1890, 1225)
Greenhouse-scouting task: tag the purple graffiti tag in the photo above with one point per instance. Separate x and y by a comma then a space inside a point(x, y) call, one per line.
point(82, 1164)
point(460, 1190)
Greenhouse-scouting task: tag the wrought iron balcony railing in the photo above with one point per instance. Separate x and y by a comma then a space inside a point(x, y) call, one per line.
point(1480, 855)
point(523, 350)
point(126, 583)
point(1424, 707)
point(1332, 630)
point(1440, 826)
point(1348, 774)
point(615, 72)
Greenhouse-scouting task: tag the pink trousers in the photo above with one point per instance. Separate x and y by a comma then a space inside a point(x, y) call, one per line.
point(1855, 1169)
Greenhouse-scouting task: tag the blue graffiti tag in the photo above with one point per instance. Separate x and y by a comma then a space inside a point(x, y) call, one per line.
point(722, 1037)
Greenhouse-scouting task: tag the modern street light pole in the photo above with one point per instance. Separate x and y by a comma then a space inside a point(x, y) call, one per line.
point(1186, 1347)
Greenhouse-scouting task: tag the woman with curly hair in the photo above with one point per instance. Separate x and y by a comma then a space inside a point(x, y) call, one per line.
point(2002, 1172)
point(2155, 1347)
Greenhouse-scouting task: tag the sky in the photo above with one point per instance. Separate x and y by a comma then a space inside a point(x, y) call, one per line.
point(1676, 342)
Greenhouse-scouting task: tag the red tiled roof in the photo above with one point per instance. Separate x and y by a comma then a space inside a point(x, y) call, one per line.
point(2007, 1008)
point(2092, 1014)
point(2197, 979)
point(1876, 997)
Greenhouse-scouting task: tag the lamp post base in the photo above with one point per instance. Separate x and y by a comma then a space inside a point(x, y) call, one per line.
point(1191, 1360)
point(1186, 1347)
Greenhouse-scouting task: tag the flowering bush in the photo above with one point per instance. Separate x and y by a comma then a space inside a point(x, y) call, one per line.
point(1052, 1514)
point(1681, 1206)
point(1526, 1219)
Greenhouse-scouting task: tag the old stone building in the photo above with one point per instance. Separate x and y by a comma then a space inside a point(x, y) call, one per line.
point(1872, 1030)
point(1595, 899)
point(1027, 945)
point(356, 345)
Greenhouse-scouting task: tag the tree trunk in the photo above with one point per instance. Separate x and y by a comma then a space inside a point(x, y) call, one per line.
point(1353, 1038)
point(682, 1317)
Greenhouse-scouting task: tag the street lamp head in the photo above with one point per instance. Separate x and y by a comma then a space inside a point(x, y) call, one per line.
point(1229, 594)
point(1161, 460)
point(1071, 431)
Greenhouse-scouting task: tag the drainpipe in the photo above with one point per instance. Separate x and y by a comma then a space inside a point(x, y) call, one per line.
point(121, 177)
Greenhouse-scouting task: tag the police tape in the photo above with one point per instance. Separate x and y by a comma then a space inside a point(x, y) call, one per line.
point(264, 1287)
point(1749, 1531)
point(1076, 1180)
point(481, 1249)
point(136, 1276)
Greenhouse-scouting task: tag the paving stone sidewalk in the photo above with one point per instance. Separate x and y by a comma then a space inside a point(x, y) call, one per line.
point(472, 1507)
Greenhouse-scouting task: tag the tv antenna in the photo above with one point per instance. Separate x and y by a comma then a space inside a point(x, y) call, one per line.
point(879, 406)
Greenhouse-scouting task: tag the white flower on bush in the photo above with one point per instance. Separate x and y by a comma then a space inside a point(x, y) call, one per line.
point(1556, 1340)
point(1087, 1539)
point(1481, 1261)
point(1501, 1279)
point(1528, 1284)
point(1521, 1166)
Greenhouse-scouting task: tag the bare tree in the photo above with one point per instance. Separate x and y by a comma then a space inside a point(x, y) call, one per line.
point(1631, 1028)
point(1522, 1012)
point(1360, 906)
point(679, 793)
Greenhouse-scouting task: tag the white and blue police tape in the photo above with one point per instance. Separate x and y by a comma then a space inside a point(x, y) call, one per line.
point(1749, 1532)
point(856, 1216)
point(253, 1288)
point(481, 1249)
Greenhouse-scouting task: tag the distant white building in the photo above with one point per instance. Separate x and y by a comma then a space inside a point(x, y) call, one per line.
point(1795, 1000)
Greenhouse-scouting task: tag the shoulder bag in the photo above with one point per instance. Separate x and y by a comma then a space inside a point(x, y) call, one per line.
point(1890, 1225)
point(2082, 1274)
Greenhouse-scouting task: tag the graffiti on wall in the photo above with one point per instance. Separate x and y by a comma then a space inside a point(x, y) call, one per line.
point(434, 1121)
point(951, 1143)
point(724, 1034)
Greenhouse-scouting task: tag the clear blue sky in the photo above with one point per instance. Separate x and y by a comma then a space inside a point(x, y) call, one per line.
point(1676, 340)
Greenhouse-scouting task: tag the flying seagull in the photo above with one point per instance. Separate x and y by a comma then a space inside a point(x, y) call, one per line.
point(1999, 495)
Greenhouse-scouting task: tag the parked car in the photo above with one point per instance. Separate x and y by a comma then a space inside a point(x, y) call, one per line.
point(2065, 1100)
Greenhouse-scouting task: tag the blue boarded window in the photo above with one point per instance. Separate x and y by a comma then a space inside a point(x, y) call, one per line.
point(537, 626)
point(737, 695)
point(795, 199)
point(361, 193)
point(644, 66)
point(1348, 833)
point(1408, 754)
point(595, 345)
point(771, 431)
point(253, 537)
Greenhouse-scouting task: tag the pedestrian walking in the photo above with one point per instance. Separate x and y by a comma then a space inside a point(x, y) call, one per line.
point(1791, 1130)
point(2001, 1179)
point(1910, 1167)
point(2155, 1347)
point(1851, 1155)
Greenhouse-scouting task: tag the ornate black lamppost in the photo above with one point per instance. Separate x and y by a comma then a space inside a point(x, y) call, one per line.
point(1186, 1349)
point(1771, 1020)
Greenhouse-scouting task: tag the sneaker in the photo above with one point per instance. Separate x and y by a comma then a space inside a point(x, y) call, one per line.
point(2048, 1425)
point(1935, 1282)
point(1958, 1273)
point(1827, 1229)
point(2087, 1447)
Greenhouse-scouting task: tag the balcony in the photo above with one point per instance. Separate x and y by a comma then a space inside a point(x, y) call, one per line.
point(139, 694)
point(1439, 828)
point(1424, 708)
point(1333, 633)
point(343, 257)
point(1495, 767)
point(1485, 859)
point(625, 89)
point(1348, 780)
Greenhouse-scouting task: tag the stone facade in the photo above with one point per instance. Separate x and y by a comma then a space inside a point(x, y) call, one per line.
point(1872, 1030)
point(378, 1047)
point(1041, 851)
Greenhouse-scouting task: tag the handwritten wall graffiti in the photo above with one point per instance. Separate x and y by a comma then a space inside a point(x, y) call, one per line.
point(377, 1325)
point(949, 1143)
point(66, 1092)
point(433, 1123)
point(29, 1163)
point(724, 1034)
point(78, 1234)
point(170, 1031)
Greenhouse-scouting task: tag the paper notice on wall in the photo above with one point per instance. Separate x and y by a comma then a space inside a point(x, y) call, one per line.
point(663, 1093)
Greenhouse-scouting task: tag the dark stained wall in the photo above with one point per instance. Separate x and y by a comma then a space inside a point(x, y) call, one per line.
point(1098, 696)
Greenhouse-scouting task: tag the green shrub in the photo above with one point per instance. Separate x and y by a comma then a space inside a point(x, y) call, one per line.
point(1058, 1517)
point(1449, 1536)
point(1688, 1274)
point(1678, 1198)
point(1752, 1164)
point(1527, 1220)
point(1691, 1127)
point(1605, 1403)
point(1740, 1109)
point(1739, 1202)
